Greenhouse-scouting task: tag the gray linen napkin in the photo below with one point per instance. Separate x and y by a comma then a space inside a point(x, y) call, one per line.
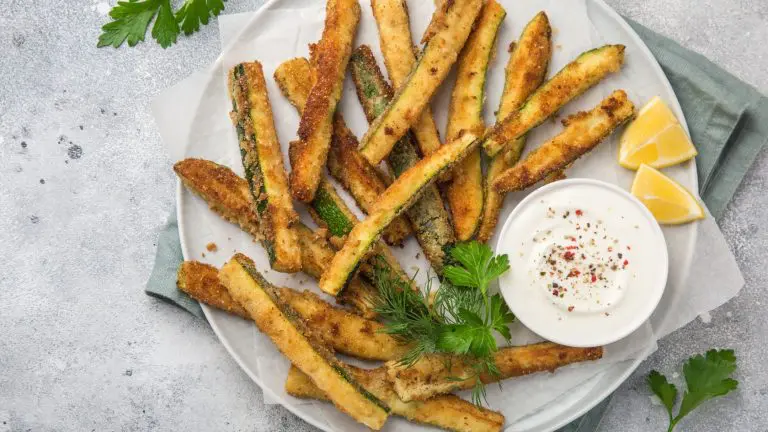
point(728, 121)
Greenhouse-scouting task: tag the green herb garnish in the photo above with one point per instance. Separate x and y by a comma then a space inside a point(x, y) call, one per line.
point(459, 319)
point(707, 377)
point(131, 19)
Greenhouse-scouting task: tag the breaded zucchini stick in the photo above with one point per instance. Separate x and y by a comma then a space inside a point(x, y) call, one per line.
point(414, 94)
point(465, 113)
point(447, 412)
point(359, 178)
point(583, 131)
point(573, 80)
point(436, 374)
point(395, 200)
point(263, 163)
point(399, 58)
point(278, 320)
point(524, 73)
point(229, 196)
point(316, 126)
point(343, 331)
point(428, 216)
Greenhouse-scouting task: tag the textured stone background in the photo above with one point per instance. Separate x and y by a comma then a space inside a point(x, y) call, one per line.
point(85, 184)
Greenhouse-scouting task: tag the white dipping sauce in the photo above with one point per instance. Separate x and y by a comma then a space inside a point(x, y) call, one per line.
point(588, 263)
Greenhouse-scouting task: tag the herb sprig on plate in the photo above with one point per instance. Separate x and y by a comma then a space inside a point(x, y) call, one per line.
point(131, 19)
point(707, 377)
point(458, 318)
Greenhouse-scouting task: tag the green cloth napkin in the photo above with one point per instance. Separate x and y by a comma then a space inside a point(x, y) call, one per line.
point(728, 121)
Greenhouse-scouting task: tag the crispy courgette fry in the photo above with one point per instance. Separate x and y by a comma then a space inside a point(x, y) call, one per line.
point(428, 216)
point(573, 80)
point(316, 126)
point(430, 70)
point(465, 113)
point(399, 58)
point(343, 331)
point(263, 163)
point(352, 170)
point(395, 200)
point(436, 374)
point(229, 196)
point(583, 131)
point(447, 412)
point(274, 317)
point(524, 73)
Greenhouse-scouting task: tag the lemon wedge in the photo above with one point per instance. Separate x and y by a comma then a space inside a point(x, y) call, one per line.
point(655, 138)
point(669, 202)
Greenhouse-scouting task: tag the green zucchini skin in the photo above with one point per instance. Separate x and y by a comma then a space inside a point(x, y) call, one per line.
point(396, 199)
point(263, 163)
point(289, 332)
point(428, 216)
point(574, 79)
point(465, 193)
point(431, 68)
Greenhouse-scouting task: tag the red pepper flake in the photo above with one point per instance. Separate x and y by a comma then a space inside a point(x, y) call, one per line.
point(594, 278)
point(628, 247)
point(610, 249)
point(568, 256)
point(574, 273)
point(579, 212)
point(555, 293)
point(571, 247)
point(570, 308)
point(626, 263)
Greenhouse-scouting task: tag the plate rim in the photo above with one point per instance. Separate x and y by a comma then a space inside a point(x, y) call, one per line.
point(577, 412)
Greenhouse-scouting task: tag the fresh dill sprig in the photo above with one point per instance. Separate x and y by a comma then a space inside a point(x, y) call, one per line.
point(459, 318)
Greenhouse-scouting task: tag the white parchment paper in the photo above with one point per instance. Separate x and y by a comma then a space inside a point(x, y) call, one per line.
point(193, 121)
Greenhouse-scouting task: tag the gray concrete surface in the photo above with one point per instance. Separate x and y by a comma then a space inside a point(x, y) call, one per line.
point(85, 184)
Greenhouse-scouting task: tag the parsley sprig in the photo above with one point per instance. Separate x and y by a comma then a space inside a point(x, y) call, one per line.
point(707, 377)
point(460, 318)
point(131, 19)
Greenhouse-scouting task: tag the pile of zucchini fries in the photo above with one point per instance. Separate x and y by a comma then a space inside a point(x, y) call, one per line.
point(437, 192)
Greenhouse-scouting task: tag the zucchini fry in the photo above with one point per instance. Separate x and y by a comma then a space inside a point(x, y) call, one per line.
point(279, 321)
point(436, 374)
point(428, 73)
point(263, 163)
point(395, 200)
point(465, 192)
point(229, 196)
point(343, 331)
point(447, 412)
point(573, 80)
point(316, 126)
point(359, 178)
point(583, 131)
point(524, 73)
point(428, 216)
point(399, 58)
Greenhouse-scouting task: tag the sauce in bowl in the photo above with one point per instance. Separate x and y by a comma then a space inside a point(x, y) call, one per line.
point(588, 263)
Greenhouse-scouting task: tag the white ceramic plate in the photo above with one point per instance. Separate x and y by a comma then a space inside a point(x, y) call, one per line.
point(198, 226)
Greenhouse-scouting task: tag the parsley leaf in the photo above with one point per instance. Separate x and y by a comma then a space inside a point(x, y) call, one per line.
point(131, 19)
point(706, 377)
point(666, 392)
point(194, 12)
point(479, 266)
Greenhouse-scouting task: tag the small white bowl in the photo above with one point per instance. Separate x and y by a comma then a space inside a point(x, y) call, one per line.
point(597, 310)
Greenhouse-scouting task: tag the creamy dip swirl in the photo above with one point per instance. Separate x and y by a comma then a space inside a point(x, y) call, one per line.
point(588, 263)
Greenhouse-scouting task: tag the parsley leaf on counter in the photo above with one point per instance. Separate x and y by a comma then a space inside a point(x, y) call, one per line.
point(707, 377)
point(458, 318)
point(131, 19)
